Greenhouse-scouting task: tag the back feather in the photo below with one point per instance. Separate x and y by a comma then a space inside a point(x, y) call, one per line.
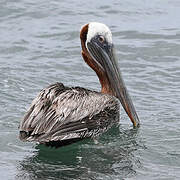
point(60, 113)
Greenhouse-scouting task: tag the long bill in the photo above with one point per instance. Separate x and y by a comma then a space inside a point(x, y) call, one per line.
point(105, 57)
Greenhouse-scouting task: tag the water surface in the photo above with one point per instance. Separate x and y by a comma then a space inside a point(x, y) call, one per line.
point(39, 45)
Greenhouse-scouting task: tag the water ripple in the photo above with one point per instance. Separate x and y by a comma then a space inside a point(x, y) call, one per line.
point(40, 45)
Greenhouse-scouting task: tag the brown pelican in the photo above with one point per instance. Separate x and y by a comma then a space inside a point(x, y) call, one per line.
point(61, 115)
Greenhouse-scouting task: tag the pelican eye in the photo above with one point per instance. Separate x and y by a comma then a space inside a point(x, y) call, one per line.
point(101, 39)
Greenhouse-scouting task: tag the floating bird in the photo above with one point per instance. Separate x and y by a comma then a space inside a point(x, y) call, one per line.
point(62, 115)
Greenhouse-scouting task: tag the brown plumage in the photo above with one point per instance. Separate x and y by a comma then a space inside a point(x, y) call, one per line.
point(61, 115)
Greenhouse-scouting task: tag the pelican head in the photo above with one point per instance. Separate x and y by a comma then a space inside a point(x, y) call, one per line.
point(98, 53)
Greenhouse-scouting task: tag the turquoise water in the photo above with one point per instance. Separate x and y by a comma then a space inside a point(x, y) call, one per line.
point(39, 45)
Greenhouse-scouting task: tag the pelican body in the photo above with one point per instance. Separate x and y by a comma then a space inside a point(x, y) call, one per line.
point(62, 115)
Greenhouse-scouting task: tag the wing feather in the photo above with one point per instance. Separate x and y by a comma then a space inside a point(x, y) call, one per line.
point(60, 113)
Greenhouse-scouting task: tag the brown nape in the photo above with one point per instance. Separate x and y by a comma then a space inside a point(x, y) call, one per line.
point(105, 84)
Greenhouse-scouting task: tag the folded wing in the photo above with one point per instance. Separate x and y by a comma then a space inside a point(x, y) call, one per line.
point(66, 114)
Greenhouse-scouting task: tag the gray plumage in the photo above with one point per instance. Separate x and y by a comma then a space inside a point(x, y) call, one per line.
point(60, 114)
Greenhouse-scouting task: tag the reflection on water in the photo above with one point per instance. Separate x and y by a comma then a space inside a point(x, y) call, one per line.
point(112, 156)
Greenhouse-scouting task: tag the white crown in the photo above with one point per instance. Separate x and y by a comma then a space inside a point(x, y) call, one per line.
point(96, 28)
